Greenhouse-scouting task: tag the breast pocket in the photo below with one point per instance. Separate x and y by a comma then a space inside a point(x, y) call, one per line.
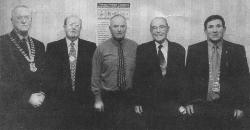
point(110, 62)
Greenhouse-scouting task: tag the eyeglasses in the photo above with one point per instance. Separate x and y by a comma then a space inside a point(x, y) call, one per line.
point(162, 27)
point(26, 18)
point(74, 25)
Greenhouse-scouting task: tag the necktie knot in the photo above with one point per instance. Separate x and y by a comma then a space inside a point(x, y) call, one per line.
point(159, 47)
point(215, 46)
point(72, 44)
point(24, 40)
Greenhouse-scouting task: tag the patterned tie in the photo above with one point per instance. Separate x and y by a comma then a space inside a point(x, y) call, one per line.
point(163, 63)
point(121, 73)
point(214, 86)
point(72, 59)
point(24, 45)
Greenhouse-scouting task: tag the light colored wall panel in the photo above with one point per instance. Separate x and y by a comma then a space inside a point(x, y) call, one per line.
point(185, 18)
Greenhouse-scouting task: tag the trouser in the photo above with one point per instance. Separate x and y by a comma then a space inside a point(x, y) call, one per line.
point(73, 118)
point(118, 113)
point(213, 116)
point(162, 119)
point(22, 119)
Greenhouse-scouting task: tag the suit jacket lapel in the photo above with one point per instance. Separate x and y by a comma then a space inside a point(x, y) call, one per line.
point(224, 59)
point(65, 60)
point(80, 59)
point(204, 60)
point(171, 54)
point(14, 50)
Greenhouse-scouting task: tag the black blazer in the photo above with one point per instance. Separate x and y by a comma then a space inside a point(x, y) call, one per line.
point(150, 87)
point(17, 82)
point(59, 86)
point(234, 73)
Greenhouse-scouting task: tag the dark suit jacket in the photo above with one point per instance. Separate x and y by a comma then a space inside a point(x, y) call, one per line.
point(151, 88)
point(59, 79)
point(234, 73)
point(17, 82)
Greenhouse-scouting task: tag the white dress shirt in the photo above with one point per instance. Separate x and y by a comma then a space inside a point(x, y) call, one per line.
point(75, 46)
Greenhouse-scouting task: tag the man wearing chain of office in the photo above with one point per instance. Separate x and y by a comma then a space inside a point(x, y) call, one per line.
point(21, 66)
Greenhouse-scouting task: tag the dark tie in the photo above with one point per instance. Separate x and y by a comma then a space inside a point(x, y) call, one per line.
point(214, 89)
point(72, 59)
point(24, 45)
point(121, 73)
point(162, 60)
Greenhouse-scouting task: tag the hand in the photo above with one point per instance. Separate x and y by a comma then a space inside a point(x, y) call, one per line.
point(238, 114)
point(36, 99)
point(99, 106)
point(138, 109)
point(190, 109)
point(182, 110)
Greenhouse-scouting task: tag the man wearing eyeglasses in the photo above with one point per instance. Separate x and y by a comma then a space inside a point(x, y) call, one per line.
point(68, 68)
point(159, 78)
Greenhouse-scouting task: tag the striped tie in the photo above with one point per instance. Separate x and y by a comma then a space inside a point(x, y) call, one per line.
point(162, 60)
point(121, 73)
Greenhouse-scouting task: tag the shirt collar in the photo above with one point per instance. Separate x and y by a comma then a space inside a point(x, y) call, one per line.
point(115, 42)
point(219, 44)
point(164, 44)
point(68, 42)
point(20, 36)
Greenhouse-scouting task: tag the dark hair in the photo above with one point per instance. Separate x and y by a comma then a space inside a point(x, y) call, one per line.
point(214, 17)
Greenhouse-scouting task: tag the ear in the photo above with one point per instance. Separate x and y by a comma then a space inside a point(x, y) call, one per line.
point(168, 29)
point(225, 29)
point(205, 30)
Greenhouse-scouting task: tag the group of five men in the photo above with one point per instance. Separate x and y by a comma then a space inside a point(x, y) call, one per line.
point(119, 84)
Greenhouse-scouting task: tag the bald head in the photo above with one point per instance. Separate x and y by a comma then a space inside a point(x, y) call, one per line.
point(118, 27)
point(162, 19)
point(74, 17)
point(72, 27)
point(117, 17)
point(159, 29)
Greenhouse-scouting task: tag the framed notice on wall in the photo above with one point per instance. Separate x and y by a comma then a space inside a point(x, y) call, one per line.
point(104, 12)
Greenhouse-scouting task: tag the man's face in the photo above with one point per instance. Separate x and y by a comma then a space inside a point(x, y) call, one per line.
point(159, 29)
point(21, 19)
point(215, 30)
point(118, 27)
point(73, 27)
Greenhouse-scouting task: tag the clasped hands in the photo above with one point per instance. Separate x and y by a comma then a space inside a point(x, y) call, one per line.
point(36, 99)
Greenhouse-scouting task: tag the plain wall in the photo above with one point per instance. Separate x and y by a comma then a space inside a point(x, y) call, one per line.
point(185, 18)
